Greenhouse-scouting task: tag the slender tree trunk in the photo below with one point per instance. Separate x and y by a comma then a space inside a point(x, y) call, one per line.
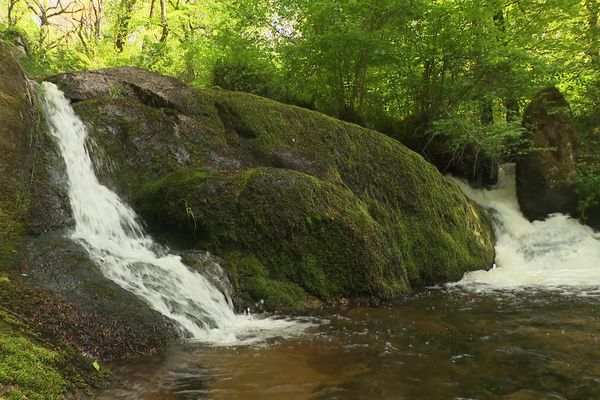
point(81, 34)
point(487, 112)
point(122, 24)
point(511, 104)
point(12, 21)
point(163, 21)
point(98, 14)
point(513, 114)
point(151, 9)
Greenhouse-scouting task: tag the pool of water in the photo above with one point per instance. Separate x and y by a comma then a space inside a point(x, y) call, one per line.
point(436, 344)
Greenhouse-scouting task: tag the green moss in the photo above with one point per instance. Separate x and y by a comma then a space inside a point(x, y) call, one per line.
point(298, 228)
point(31, 368)
point(28, 370)
point(13, 204)
point(436, 232)
point(251, 280)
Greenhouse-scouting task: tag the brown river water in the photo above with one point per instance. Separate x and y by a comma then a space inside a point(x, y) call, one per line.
point(436, 344)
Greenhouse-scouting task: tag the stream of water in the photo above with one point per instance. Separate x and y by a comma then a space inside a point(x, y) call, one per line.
point(558, 253)
point(527, 329)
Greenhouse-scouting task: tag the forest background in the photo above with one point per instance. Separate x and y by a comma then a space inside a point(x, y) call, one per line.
point(458, 72)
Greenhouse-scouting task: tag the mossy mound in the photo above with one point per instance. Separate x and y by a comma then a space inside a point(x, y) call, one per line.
point(288, 197)
point(35, 369)
point(298, 231)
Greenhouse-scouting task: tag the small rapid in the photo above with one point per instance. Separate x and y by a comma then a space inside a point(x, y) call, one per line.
point(111, 233)
point(558, 253)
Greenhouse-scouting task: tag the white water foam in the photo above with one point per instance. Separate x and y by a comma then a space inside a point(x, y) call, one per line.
point(558, 253)
point(111, 233)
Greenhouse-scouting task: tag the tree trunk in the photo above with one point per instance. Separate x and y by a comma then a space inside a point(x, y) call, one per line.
point(513, 113)
point(163, 21)
point(487, 112)
point(122, 24)
point(511, 104)
point(151, 9)
point(12, 21)
point(98, 12)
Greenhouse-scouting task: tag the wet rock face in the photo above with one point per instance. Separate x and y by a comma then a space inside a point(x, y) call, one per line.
point(297, 204)
point(91, 312)
point(543, 176)
point(593, 217)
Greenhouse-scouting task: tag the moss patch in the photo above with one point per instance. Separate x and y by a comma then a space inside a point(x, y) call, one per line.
point(256, 289)
point(298, 233)
point(28, 370)
point(31, 368)
point(16, 126)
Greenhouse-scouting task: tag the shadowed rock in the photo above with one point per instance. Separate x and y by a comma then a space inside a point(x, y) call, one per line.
point(543, 176)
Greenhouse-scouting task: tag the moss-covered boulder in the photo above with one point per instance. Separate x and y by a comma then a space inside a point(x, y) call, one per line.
point(295, 202)
point(308, 233)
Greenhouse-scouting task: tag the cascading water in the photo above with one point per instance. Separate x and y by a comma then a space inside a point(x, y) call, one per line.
point(110, 232)
point(558, 253)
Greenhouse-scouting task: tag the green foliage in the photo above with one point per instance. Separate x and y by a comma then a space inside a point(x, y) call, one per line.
point(499, 140)
point(190, 212)
point(587, 185)
point(587, 181)
point(365, 61)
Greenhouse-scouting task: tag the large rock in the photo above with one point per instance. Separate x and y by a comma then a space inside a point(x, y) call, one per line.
point(295, 202)
point(544, 176)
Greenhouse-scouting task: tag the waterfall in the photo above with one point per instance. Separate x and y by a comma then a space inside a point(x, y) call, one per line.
point(111, 233)
point(558, 253)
